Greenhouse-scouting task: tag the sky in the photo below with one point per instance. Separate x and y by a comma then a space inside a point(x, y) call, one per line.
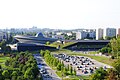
point(59, 14)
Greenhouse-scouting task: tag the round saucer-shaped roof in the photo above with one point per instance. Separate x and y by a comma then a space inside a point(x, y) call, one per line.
point(39, 35)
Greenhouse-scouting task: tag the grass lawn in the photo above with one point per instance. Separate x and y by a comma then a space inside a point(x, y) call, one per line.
point(98, 58)
point(84, 77)
point(93, 52)
point(56, 44)
point(2, 60)
point(59, 73)
point(70, 77)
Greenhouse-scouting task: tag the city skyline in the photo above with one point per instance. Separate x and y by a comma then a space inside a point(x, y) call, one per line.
point(63, 14)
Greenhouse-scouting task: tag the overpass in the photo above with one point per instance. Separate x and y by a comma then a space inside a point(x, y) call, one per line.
point(86, 45)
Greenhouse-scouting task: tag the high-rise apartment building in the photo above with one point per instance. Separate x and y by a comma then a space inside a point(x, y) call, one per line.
point(80, 35)
point(86, 34)
point(110, 32)
point(99, 33)
point(119, 32)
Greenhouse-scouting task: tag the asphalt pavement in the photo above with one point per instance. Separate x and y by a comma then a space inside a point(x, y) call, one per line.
point(83, 65)
point(50, 75)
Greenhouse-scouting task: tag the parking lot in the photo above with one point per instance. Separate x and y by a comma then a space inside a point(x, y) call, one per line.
point(83, 65)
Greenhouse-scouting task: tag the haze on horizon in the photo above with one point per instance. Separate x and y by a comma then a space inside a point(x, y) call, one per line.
point(59, 14)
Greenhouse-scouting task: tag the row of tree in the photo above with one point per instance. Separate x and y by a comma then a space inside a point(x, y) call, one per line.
point(109, 74)
point(114, 73)
point(115, 46)
point(3, 45)
point(72, 37)
point(21, 66)
point(59, 65)
point(112, 48)
point(106, 49)
point(4, 48)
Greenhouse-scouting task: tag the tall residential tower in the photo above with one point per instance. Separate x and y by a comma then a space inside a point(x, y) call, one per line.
point(99, 33)
point(110, 32)
point(118, 31)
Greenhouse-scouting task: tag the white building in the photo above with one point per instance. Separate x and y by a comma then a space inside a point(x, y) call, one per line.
point(110, 32)
point(59, 33)
point(86, 34)
point(81, 35)
point(69, 34)
point(99, 33)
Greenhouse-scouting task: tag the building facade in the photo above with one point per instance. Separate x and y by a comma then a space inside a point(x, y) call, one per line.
point(118, 31)
point(110, 32)
point(99, 33)
point(86, 34)
point(81, 35)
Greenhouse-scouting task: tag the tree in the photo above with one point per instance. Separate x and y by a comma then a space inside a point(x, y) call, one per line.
point(111, 74)
point(108, 38)
point(71, 70)
point(115, 45)
point(21, 66)
point(42, 53)
point(8, 48)
point(20, 78)
point(30, 70)
point(116, 65)
point(101, 38)
point(3, 43)
point(14, 77)
point(14, 65)
point(24, 68)
point(100, 74)
point(62, 65)
point(28, 74)
point(10, 40)
point(55, 62)
point(74, 72)
point(65, 70)
point(47, 43)
point(6, 74)
point(105, 50)
point(68, 67)
point(47, 52)
point(118, 46)
point(59, 66)
point(1, 76)
point(0, 67)
point(35, 71)
point(14, 73)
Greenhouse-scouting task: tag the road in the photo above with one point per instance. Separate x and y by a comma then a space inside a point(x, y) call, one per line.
point(50, 72)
